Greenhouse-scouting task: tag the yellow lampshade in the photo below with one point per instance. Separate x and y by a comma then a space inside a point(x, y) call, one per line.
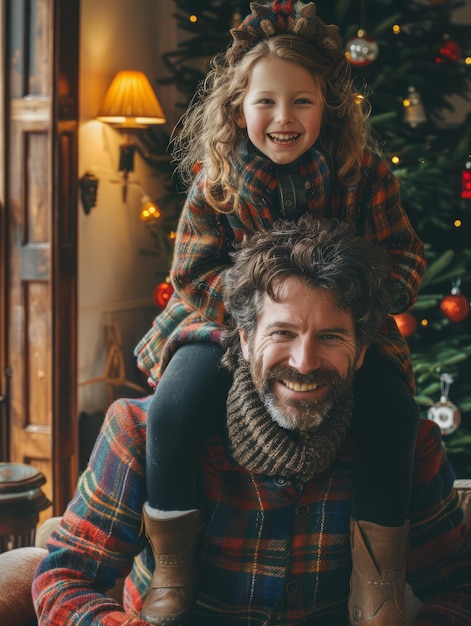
point(130, 102)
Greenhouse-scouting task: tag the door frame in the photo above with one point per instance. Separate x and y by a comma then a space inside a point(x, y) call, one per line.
point(4, 423)
point(63, 39)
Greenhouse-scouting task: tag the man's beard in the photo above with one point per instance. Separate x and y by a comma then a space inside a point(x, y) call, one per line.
point(304, 415)
point(261, 445)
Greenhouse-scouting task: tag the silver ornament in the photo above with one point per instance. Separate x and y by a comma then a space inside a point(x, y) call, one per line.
point(444, 413)
point(361, 49)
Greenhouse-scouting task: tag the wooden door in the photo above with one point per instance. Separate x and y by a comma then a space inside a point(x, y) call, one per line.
point(41, 110)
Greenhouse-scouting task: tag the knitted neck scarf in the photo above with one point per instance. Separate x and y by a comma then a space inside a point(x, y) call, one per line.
point(260, 445)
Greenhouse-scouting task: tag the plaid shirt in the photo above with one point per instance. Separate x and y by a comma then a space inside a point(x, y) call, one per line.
point(205, 239)
point(273, 551)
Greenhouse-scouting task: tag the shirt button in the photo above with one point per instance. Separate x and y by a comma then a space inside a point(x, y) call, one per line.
point(280, 481)
point(302, 510)
point(291, 587)
point(288, 204)
point(307, 184)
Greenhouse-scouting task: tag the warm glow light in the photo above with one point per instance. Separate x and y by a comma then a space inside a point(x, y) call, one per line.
point(467, 60)
point(395, 160)
point(424, 322)
point(406, 323)
point(150, 211)
point(457, 223)
point(359, 98)
point(162, 293)
point(396, 29)
point(193, 18)
point(172, 235)
point(130, 102)
point(406, 102)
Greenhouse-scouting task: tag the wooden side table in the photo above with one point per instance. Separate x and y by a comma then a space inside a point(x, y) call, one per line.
point(21, 500)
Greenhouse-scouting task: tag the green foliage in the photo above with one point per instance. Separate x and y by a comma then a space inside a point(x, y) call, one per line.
point(162, 231)
point(458, 446)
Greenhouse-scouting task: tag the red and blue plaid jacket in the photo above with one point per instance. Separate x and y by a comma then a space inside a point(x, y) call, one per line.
point(272, 551)
point(205, 239)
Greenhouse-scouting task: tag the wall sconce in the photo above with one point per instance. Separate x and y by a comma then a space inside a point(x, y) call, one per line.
point(88, 191)
point(130, 105)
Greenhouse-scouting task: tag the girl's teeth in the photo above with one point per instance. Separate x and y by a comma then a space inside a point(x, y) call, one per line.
point(283, 138)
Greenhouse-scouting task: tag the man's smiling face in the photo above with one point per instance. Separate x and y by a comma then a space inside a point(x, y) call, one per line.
point(303, 354)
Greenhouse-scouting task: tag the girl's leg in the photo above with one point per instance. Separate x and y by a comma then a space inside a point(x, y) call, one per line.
point(190, 397)
point(385, 422)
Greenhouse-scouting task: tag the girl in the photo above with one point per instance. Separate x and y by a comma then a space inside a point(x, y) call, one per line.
point(277, 130)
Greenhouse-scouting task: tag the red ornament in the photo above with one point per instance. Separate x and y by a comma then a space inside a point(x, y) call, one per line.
point(466, 181)
point(448, 51)
point(455, 307)
point(406, 323)
point(162, 294)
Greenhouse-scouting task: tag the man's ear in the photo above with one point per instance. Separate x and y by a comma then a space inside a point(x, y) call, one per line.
point(361, 357)
point(244, 344)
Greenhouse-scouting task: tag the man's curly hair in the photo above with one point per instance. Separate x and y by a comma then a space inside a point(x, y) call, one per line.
point(326, 254)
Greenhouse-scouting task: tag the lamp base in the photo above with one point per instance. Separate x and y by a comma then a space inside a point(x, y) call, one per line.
point(126, 165)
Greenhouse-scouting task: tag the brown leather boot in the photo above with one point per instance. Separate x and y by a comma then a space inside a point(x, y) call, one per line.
point(173, 541)
point(377, 585)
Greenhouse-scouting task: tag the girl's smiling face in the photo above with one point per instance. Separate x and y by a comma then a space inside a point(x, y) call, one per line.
point(282, 109)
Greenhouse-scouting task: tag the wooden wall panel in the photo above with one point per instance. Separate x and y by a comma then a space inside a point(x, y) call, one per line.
point(30, 295)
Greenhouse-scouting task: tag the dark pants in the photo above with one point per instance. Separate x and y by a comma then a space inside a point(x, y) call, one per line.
point(189, 397)
point(385, 422)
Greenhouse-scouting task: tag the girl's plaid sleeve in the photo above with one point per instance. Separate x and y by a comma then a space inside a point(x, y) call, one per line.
point(200, 256)
point(387, 224)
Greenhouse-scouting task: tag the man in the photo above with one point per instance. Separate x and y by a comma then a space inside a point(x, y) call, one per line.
point(277, 473)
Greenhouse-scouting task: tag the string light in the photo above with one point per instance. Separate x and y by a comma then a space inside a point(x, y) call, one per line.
point(149, 211)
point(457, 223)
point(359, 98)
point(396, 29)
point(193, 18)
point(424, 322)
point(395, 160)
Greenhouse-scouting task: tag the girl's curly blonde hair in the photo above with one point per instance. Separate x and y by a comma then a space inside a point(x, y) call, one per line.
point(209, 134)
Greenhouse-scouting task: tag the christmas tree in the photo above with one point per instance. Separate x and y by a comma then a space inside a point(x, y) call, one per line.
point(408, 58)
